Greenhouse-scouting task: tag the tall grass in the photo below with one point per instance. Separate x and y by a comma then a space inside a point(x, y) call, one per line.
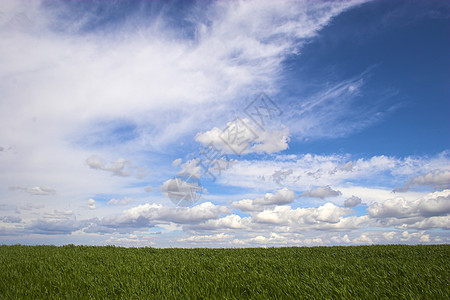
point(365, 272)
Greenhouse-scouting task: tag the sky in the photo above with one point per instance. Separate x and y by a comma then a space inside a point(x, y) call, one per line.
point(224, 123)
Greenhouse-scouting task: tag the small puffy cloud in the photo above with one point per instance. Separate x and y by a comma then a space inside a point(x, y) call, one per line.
point(148, 189)
point(116, 168)
point(340, 240)
point(245, 205)
point(91, 204)
point(281, 197)
point(389, 236)
point(352, 201)
point(363, 239)
point(321, 192)
point(184, 192)
point(37, 190)
point(124, 201)
point(242, 137)
point(437, 179)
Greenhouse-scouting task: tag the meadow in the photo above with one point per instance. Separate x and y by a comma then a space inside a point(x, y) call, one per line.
point(107, 272)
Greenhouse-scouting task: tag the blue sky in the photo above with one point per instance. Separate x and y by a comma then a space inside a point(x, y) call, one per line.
point(224, 124)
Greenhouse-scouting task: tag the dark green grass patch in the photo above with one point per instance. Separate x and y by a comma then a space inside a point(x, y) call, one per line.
point(364, 272)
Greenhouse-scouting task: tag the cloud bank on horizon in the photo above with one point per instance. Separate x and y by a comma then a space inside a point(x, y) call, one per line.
point(224, 124)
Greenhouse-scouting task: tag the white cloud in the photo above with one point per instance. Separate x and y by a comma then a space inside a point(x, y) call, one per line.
point(321, 192)
point(421, 236)
point(241, 136)
point(146, 105)
point(228, 222)
point(182, 191)
point(434, 204)
point(430, 223)
point(124, 201)
point(437, 179)
point(281, 197)
point(148, 215)
point(352, 201)
point(176, 162)
point(380, 173)
point(285, 215)
point(191, 168)
point(121, 167)
point(363, 239)
point(389, 235)
point(207, 238)
point(91, 204)
point(339, 239)
point(37, 190)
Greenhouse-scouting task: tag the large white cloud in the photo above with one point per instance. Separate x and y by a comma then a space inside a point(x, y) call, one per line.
point(434, 204)
point(430, 211)
point(437, 179)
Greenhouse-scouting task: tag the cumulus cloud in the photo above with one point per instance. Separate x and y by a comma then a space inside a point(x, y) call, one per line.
point(243, 137)
point(442, 222)
point(148, 215)
point(434, 204)
point(430, 211)
point(281, 197)
point(436, 179)
point(232, 222)
point(183, 191)
point(328, 213)
point(321, 192)
point(91, 204)
point(191, 168)
point(352, 201)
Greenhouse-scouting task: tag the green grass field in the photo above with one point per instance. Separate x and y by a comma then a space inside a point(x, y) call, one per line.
point(365, 272)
